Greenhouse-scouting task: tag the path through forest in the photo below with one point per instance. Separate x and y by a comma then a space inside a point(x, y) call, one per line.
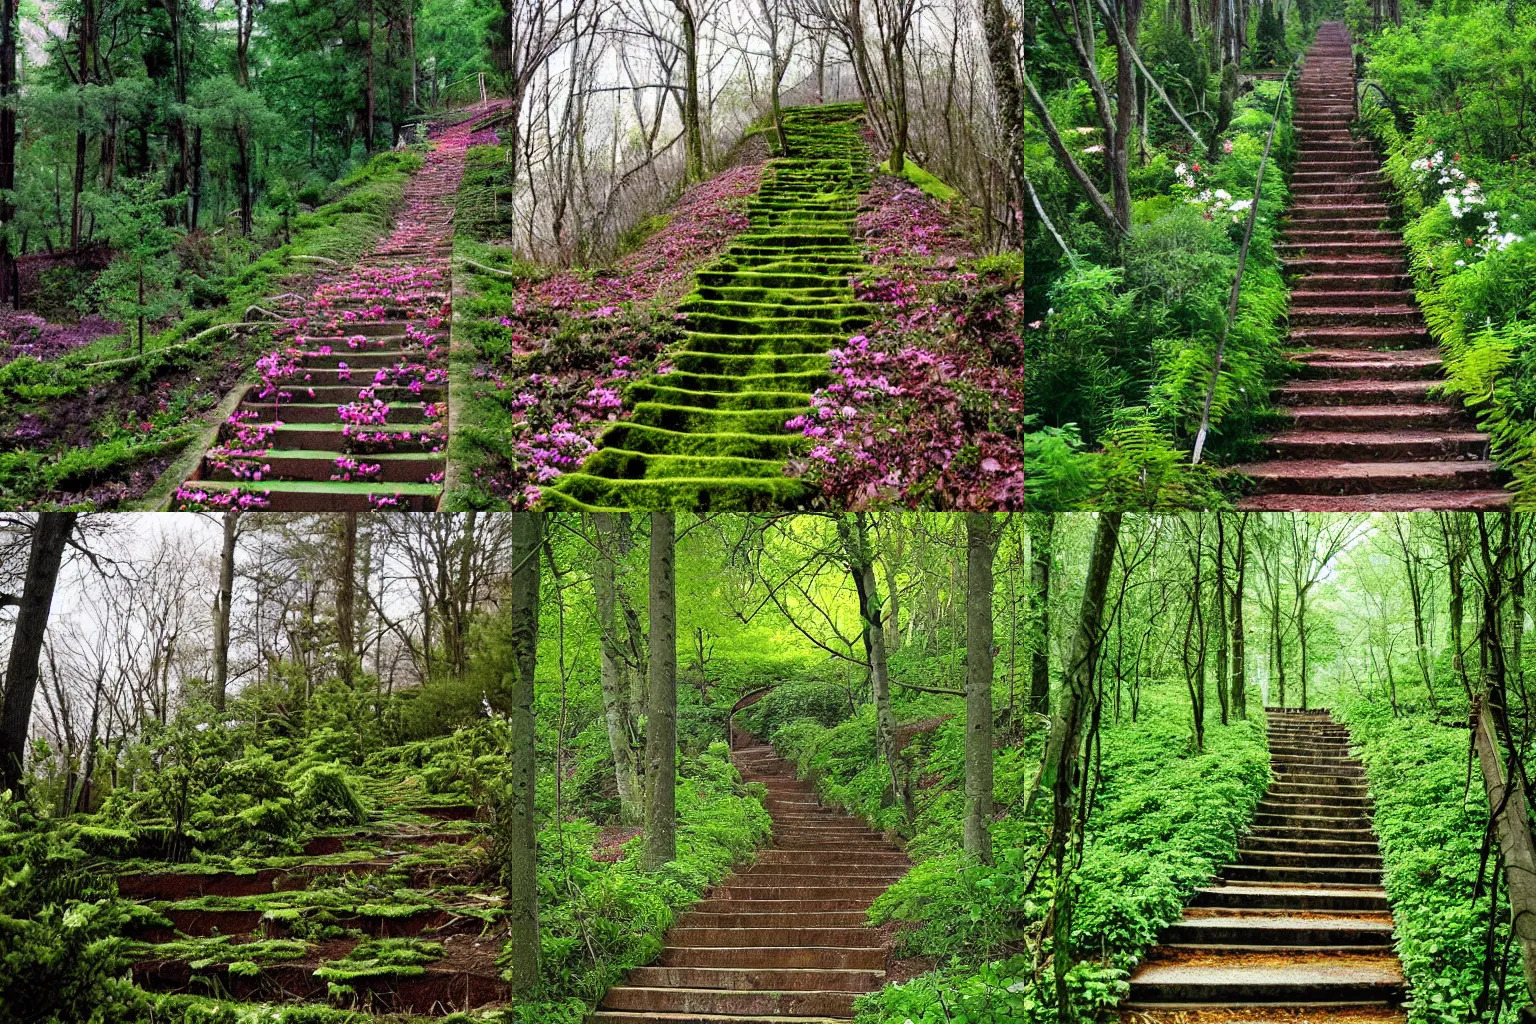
point(1365, 433)
point(710, 434)
point(1301, 920)
point(352, 413)
point(783, 940)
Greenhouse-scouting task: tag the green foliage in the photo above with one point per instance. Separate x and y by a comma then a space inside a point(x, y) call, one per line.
point(1431, 826)
point(381, 958)
point(822, 702)
point(326, 796)
point(599, 919)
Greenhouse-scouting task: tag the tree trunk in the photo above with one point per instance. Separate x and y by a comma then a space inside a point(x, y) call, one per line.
point(854, 535)
point(1239, 635)
point(221, 606)
point(346, 596)
point(1455, 559)
point(369, 109)
point(661, 724)
point(1058, 768)
point(611, 671)
point(980, 547)
point(1219, 604)
point(1041, 526)
point(693, 131)
point(50, 535)
point(520, 875)
point(8, 31)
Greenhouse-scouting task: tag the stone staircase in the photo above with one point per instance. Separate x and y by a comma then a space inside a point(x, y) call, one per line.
point(1301, 920)
point(1365, 434)
point(352, 413)
point(711, 433)
point(783, 941)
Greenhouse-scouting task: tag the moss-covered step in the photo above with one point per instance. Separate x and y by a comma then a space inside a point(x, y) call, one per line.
point(711, 434)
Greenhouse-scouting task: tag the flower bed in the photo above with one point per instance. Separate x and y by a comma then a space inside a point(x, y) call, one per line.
point(926, 406)
point(553, 353)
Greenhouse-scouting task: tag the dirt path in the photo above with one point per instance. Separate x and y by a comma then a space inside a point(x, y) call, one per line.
point(1365, 434)
point(783, 940)
point(1299, 928)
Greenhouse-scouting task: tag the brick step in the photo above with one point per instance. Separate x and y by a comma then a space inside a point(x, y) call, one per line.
point(1398, 364)
point(1343, 477)
point(774, 957)
point(1329, 297)
point(1302, 983)
point(1378, 445)
point(1402, 501)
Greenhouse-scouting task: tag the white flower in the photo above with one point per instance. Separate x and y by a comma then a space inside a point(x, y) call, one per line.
point(1178, 172)
point(1241, 205)
point(1223, 195)
point(1094, 149)
point(1085, 130)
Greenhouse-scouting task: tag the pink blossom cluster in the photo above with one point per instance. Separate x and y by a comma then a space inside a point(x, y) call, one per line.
point(926, 406)
point(348, 468)
point(192, 499)
point(585, 336)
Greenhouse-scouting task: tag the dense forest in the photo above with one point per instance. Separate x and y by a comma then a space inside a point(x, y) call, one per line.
point(756, 768)
point(765, 254)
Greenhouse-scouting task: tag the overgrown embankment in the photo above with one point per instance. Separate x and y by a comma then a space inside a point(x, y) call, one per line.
point(1462, 176)
point(1164, 820)
point(1431, 815)
point(95, 427)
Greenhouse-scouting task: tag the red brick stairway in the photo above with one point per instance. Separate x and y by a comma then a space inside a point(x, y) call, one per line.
point(1300, 922)
point(1365, 434)
point(783, 941)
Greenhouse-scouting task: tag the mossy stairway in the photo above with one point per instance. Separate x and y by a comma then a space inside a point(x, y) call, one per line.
point(710, 434)
point(390, 916)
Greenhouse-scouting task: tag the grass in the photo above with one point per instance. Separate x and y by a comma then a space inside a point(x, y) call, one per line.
point(710, 434)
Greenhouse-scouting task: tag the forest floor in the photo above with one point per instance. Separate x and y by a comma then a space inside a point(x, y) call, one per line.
point(353, 412)
point(1366, 433)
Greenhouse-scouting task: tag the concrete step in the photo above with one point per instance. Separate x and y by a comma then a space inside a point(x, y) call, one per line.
point(1239, 928)
point(1291, 897)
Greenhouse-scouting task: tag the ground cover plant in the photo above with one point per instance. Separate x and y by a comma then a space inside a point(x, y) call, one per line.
point(1462, 176)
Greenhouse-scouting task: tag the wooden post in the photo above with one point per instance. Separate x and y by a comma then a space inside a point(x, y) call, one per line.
point(1513, 828)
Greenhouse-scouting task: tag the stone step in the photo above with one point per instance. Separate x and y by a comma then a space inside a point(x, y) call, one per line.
point(867, 958)
point(1286, 873)
point(726, 1002)
point(1291, 897)
point(1316, 981)
point(1239, 929)
point(1398, 445)
point(786, 980)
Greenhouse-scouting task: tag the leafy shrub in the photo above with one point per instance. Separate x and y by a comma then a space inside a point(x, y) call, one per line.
point(821, 702)
point(327, 796)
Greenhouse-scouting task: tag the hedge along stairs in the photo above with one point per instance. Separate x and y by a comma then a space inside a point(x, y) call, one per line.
point(783, 941)
point(1365, 433)
point(386, 916)
point(352, 414)
point(710, 434)
point(1301, 921)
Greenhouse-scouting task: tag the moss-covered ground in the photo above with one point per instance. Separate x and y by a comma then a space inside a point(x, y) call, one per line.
point(710, 433)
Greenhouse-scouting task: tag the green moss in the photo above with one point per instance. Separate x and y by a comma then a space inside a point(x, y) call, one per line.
point(759, 325)
point(381, 958)
point(915, 175)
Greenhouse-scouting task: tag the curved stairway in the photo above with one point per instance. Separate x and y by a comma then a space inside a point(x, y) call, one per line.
point(783, 941)
point(711, 433)
point(1300, 921)
point(1365, 433)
